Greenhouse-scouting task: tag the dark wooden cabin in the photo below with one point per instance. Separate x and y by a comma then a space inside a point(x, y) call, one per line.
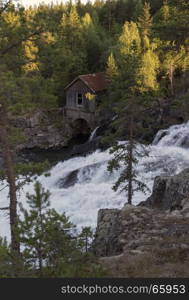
point(81, 88)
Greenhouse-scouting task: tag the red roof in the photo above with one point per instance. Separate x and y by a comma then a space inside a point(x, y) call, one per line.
point(96, 82)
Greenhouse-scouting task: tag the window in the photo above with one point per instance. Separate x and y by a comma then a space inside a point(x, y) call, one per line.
point(79, 99)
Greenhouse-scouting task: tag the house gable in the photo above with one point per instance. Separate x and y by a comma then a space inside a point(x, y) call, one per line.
point(84, 90)
point(76, 96)
point(96, 82)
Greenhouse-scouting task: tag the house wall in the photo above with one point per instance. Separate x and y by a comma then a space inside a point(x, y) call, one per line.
point(71, 97)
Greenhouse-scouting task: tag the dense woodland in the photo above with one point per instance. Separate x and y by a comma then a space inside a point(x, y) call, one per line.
point(144, 48)
point(47, 46)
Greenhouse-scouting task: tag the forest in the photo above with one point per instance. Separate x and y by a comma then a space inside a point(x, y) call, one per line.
point(142, 45)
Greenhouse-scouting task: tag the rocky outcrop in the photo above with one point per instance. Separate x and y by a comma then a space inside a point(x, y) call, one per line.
point(44, 130)
point(135, 241)
point(109, 228)
point(169, 191)
point(137, 228)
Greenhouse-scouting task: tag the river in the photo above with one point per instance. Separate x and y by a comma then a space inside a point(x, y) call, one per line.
point(89, 184)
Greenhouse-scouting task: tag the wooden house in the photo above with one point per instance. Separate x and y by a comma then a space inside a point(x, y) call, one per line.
point(84, 91)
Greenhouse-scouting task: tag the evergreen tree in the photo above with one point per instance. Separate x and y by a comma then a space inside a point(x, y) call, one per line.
point(92, 43)
point(128, 104)
point(85, 239)
point(145, 20)
point(112, 68)
point(15, 101)
point(30, 55)
point(149, 66)
point(130, 40)
point(70, 53)
point(51, 248)
point(44, 233)
point(174, 59)
point(9, 96)
point(165, 11)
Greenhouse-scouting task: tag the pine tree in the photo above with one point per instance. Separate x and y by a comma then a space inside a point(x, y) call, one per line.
point(14, 101)
point(92, 43)
point(129, 108)
point(128, 104)
point(7, 97)
point(165, 11)
point(70, 58)
point(44, 233)
point(126, 158)
point(85, 239)
point(149, 66)
point(145, 20)
point(87, 20)
point(131, 93)
point(174, 59)
point(30, 55)
point(130, 40)
point(112, 68)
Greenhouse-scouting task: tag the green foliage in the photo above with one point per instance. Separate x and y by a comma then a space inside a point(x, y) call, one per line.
point(123, 159)
point(112, 68)
point(130, 40)
point(44, 233)
point(145, 20)
point(85, 239)
point(72, 39)
point(51, 249)
point(11, 266)
point(165, 11)
point(149, 69)
point(4, 258)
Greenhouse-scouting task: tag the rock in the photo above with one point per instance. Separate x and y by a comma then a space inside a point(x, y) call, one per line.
point(83, 174)
point(107, 234)
point(44, 130)
point(138, 229)
point(69, 180)
point(169, 191)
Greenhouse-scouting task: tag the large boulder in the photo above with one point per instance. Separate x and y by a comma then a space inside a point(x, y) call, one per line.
point(108, 230)
point(169, 191)
point(136, 229)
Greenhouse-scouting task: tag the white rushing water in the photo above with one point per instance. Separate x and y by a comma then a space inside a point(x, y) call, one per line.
point(92, 188)
point(93, 134)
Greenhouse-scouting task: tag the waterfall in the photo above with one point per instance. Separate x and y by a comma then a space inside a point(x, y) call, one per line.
point(91, 189)
point(93, 134)
point(176, 135)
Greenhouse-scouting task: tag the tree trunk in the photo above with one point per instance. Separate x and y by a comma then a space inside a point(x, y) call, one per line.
point(10, 175)
point(40, 258)
point(109, 15)
point(130, 161)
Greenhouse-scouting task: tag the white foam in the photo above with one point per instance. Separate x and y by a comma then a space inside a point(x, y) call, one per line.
point(93, 189)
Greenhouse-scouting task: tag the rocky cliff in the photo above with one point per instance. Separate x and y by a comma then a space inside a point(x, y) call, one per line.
point(44, 129)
